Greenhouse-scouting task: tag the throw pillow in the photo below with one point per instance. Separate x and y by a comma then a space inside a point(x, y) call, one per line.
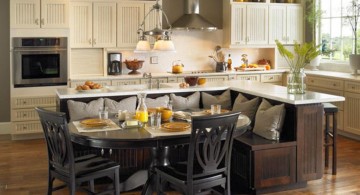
point(162, 101)
point(269, 120)
point(182, 103)
point(246, 106)
point(224, 100)
point(80, 110)
point(128, 104)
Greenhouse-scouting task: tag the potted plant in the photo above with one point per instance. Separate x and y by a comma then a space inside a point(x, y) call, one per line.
point(303, 54)
point(353, 11)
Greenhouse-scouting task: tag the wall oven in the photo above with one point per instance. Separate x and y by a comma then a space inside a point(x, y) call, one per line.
point(40, 61)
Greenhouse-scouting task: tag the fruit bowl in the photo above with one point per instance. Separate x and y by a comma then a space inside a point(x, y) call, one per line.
point(191, 80)
point(134, 66)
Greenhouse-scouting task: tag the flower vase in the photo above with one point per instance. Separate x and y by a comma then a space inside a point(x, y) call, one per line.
point(296, 81)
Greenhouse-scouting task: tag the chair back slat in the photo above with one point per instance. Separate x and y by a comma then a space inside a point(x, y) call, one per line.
point(58, 140)
point(210, 144)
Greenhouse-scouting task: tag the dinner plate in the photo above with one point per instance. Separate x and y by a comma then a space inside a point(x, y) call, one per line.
point(175, 126)
point(208, 111)
point(94, 122)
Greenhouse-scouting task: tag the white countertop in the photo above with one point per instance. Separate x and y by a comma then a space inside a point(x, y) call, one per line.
point(331, 74)
point(167, 74)
point(269, 91)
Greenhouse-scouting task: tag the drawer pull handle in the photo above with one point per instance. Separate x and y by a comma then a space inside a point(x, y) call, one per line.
point(271, 78)
point(334, 85)
point(352, 87)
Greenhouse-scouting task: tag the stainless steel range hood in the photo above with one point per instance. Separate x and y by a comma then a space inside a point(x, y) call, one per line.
point(192, 20)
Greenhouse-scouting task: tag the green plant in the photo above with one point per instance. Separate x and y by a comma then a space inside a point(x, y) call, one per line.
point(304, 53)
point(353, 15)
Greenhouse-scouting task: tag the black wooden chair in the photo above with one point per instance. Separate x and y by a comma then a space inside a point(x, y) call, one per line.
point(207, 168)
point(74, 172)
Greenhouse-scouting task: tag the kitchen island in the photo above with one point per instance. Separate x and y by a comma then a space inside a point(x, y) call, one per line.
point(292, 161)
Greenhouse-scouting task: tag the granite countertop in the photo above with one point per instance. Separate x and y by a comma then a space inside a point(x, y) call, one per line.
point(274, 92)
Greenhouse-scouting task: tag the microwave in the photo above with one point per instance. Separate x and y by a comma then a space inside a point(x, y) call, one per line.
point(40, 61)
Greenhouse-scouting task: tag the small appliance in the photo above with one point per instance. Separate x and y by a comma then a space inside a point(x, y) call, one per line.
point(114, 64)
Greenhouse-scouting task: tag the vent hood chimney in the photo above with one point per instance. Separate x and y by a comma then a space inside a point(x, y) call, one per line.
point(192, 20)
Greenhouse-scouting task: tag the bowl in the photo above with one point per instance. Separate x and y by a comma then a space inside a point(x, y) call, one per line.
point(191, 80)
point(134, 65)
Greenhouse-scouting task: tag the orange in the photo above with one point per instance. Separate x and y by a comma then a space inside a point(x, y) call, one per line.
point(201, 81)
point(166, 114)
point(267, 67)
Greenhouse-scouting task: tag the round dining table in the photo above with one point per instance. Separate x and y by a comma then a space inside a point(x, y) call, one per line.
point(140, 137)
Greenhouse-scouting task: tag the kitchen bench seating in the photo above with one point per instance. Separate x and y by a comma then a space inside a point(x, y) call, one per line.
point(289, 160)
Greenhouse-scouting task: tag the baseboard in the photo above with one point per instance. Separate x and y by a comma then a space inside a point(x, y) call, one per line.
point(349, 135)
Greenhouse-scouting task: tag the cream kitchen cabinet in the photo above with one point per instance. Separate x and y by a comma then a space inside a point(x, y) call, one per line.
point(130, 14)
point(286, 23)
point(352, 107)
point(24, 117)
point(276, 79)
point(93, 24)
point(248, 25)
point(39, 13)
point(329, 86)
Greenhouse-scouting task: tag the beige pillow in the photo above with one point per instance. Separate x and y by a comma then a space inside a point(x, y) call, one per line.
point(269, 120)
point(162, 101)
point(81, 110)
point(224, 100)
point(182, 103)
point(128, 104)
point(246, 106)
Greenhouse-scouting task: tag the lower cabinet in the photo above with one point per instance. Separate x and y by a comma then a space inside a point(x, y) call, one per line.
point(24, 118)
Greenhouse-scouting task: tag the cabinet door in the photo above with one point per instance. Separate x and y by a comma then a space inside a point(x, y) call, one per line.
point(81, 24)
point(277, 23)
point(295, 23)
point(104, 23)
point(25, 13)
point(257, 24)
point(351, 113)
point(238, 24)
point(54, 14)
point(130, 16)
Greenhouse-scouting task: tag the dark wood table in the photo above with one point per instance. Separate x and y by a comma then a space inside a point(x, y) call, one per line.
point(129, 138)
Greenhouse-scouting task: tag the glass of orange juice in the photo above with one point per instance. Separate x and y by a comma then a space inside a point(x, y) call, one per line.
point(142, 116)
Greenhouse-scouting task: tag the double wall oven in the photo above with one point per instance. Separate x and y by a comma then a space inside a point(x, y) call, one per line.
point(40, 61)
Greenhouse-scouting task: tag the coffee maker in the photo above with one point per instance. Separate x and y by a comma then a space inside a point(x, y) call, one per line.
point(114, 64)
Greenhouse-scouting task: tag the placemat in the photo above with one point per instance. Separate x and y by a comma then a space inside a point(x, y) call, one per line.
point(111, 126)
point(160, 132)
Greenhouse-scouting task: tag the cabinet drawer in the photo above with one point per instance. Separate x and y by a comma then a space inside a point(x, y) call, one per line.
point(26, 127)
point(232, 77)
point(340, 105)
point(27, 114)
point(271, 78)
point(325, 82)
point(216, 78)
point(125, 82)
point(154, 80)
point(250, 77)
point(74, 84)
point(352, 86)
point(30, 102)
point(172, 80)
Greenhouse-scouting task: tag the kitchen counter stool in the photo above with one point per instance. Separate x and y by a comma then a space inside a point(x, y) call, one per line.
point(330, 134)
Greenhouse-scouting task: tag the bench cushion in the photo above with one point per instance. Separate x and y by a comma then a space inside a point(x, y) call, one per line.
point(246, 106)
point(80, 110)
point(183, 103)
point(162, 101)
point(269, 120)
point(224, 100)
point(128, 104)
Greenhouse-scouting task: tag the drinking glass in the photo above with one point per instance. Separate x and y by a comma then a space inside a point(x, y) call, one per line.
point(158, 120)
point(215, 109)
point(103, 113)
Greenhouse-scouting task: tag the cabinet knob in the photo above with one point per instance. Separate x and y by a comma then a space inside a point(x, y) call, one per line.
point(352, 87)
point(37, 21)
point(24, 102)
point(334, 85)
point(42, 21)
point(271, 78)
point(94, 41)
point(24, 127)
point(90, 42)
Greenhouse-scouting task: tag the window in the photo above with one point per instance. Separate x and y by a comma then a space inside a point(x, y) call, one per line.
point(335, 32)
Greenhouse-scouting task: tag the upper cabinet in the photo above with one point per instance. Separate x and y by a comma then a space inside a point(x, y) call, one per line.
point(286, 23)
point(93, 24)
point(39, 13)
point(130, 15)
point(250, 24)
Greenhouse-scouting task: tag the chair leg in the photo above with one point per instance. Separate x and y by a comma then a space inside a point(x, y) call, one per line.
point(326, 140)
point(117, 182)
point(334, 157)
point(92, 185)
point(72, 188)
point(50, 183)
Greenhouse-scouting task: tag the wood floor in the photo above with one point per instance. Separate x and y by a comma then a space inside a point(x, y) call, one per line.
point(23, 170)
